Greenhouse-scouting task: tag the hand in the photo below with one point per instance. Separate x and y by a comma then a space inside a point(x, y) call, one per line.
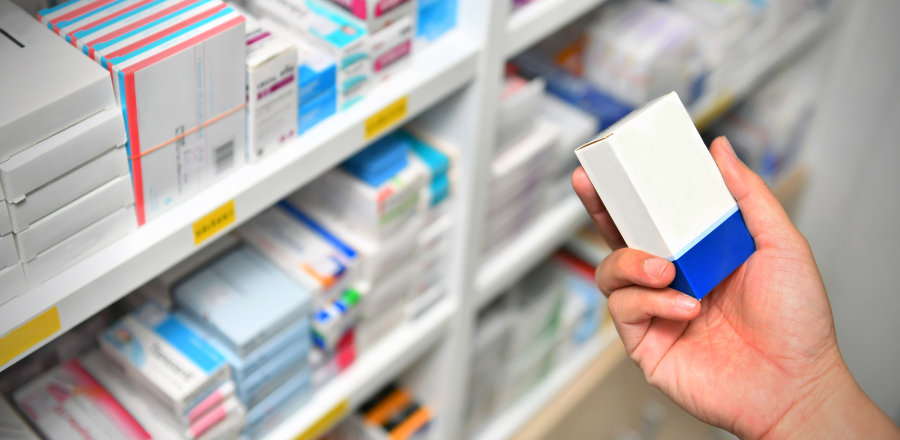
point(759, 356)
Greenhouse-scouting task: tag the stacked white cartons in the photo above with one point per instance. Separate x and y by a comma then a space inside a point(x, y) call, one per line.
point(576, 128)
point(271, 90)
point(520, 105)
point(490, 351)
point(184, 380)
point(343, 39)
point(371, 202)
point(181, 67)
point(12, 278)
point(64, 171)
point(520, 179)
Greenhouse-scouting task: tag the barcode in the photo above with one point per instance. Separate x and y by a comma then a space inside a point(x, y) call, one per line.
point(224, 156)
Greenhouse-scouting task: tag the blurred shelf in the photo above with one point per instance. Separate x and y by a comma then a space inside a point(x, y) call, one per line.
point(533, 245)
point(532, 405)
point(541, 18)
point(98, 281)
point(367, 375)
point(750, 73)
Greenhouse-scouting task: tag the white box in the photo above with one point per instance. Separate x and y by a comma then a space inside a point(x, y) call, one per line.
point(520, 106)
point(68, 188)
point(666, 194)
point(376, 14)
point(576, 128)
point(393, 288)
point(79, 246)
point(53, 157)
point(392, 47)
point(88, 16)
point(51, 87)
point(8, 254)
point(12, 426)
point(12, 282)
point(272, 102)
point(191, 127)
point(5, 222)
point(74, 217)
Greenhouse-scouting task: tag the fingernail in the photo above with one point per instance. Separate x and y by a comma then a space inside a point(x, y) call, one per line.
point(655, 266)
point(728, 147)
point(686, 303)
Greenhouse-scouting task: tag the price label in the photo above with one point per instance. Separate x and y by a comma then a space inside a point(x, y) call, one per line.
point(324, 424)
point(28, 335)
point(385, 118)
point(213, 222)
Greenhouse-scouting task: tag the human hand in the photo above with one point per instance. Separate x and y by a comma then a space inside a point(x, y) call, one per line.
point(759, 356)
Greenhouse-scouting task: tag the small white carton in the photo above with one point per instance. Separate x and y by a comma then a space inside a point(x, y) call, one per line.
point(43, 162)
point(68, 188)
point(8, 254)
point(5, 222)
point(72, 218)
point(51, 87)
point(12, 279)
point(392, 47)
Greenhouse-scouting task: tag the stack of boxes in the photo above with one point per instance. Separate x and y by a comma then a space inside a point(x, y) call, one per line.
point(63, 168)
point(257, 318)
point(393, 413)
point(178, 71)
point(12, 426)
point(188, 382)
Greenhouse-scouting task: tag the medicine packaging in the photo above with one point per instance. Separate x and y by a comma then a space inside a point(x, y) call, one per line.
point(12, 426)
point(392, 47)
point(576, 128)
point(520, 105)
point(12, 278)
point(376, 15)
point(87, 17)
point(298, 387)
point(666, 194)
point(435, 18)
point(5, 222)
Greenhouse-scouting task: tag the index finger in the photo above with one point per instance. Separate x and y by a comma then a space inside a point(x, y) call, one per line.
point(596, 209)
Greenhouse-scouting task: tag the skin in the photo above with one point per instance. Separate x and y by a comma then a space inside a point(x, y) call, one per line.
point(759, 355)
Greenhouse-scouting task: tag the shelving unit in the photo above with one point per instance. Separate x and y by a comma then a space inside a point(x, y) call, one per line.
point(540, 19)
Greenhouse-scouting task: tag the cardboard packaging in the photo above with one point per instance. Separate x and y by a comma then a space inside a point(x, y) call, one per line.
point(74, 217)
point(87, 17)
point(576, 128)
point(12, 278)
point(435, 18)
point(5, 222)
point(51, 88)
point(165, 357)
point(376, 14)
point(520, 105)
point(43, 162)
point(392, 47)
point(12, 426)
point(666, 195)
point(271, 91)
point(243, 299)
point(68, 188)
point(286, 399)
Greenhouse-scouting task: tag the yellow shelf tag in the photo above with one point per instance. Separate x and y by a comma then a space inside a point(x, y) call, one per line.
point(385, 118)
point(328, 421)
point(28, 335)
point(213, 222)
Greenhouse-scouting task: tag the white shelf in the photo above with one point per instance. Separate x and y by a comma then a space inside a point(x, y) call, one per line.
point(513, 418)
point(547, 234)
point(750, 73)
point(369, 373)
point(93, 284)
point(540, 19)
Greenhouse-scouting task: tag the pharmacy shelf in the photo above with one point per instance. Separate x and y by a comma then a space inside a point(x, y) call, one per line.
point(369, 373)
point(514, 418)
point(752, 72)
point(98, 281)
point(546, 235)
point(540, 19)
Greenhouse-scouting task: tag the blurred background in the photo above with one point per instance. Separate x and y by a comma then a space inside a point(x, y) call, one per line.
point(415, 244)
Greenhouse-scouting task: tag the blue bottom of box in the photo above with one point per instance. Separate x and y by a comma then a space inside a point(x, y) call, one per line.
point(713, 257)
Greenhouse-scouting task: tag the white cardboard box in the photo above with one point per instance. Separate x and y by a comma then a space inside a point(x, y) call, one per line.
point(12, 282)
point(68, 188)
point(5, 222)
point(392, 47)
point(8, 254)
point(520, 106)
point(376, 14)
point(12, 426)
point(33, 167)
point(51, 87)
point(74, 217)
point(81, 245)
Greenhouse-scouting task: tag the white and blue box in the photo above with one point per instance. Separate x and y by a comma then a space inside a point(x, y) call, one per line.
point(666, 194)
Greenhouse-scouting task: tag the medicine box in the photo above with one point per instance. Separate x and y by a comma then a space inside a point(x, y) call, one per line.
point(68, 188)
point(392, 47)
point(376, 14)
point(297, 387)
point(576, 128)
point(88, 16)
point(165, 357)
point(5, 222)
point(436, 17)
point(52, 87)
point(308, 253)
point(242, 298)
point(74, 217)
point(271, 376)
point(666, 195)
point(43, 162)
point(12, 426)
point(12, 278)
point(520, 105)
point(271, 91)
point(8, 254)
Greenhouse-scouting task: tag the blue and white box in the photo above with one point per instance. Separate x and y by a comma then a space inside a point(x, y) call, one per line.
point(666, 194)
point(243, 299)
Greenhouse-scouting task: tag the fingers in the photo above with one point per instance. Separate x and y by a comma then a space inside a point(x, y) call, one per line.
point(626, 267)
point(633, 309)
point(595, 208)
point(766, 219)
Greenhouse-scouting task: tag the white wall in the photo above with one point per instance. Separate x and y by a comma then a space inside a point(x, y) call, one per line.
point(851, 209)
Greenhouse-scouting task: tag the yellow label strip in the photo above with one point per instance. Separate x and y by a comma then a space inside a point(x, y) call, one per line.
point(327, 422)
point(385, 118)
point(28, 335)
point(213, 222)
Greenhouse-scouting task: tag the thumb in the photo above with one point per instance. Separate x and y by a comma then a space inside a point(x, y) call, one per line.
point(766, 219)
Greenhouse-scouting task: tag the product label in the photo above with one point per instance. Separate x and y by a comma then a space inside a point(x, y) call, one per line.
point(213, 222)
point(331, 418)
point(28, 335)
point(386, 118)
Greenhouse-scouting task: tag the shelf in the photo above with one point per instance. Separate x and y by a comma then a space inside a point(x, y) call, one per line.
point(95, 283)
point(750, 73)
point(367, 375)
point(532, 404)
point(540, 19)
point(547, 234)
